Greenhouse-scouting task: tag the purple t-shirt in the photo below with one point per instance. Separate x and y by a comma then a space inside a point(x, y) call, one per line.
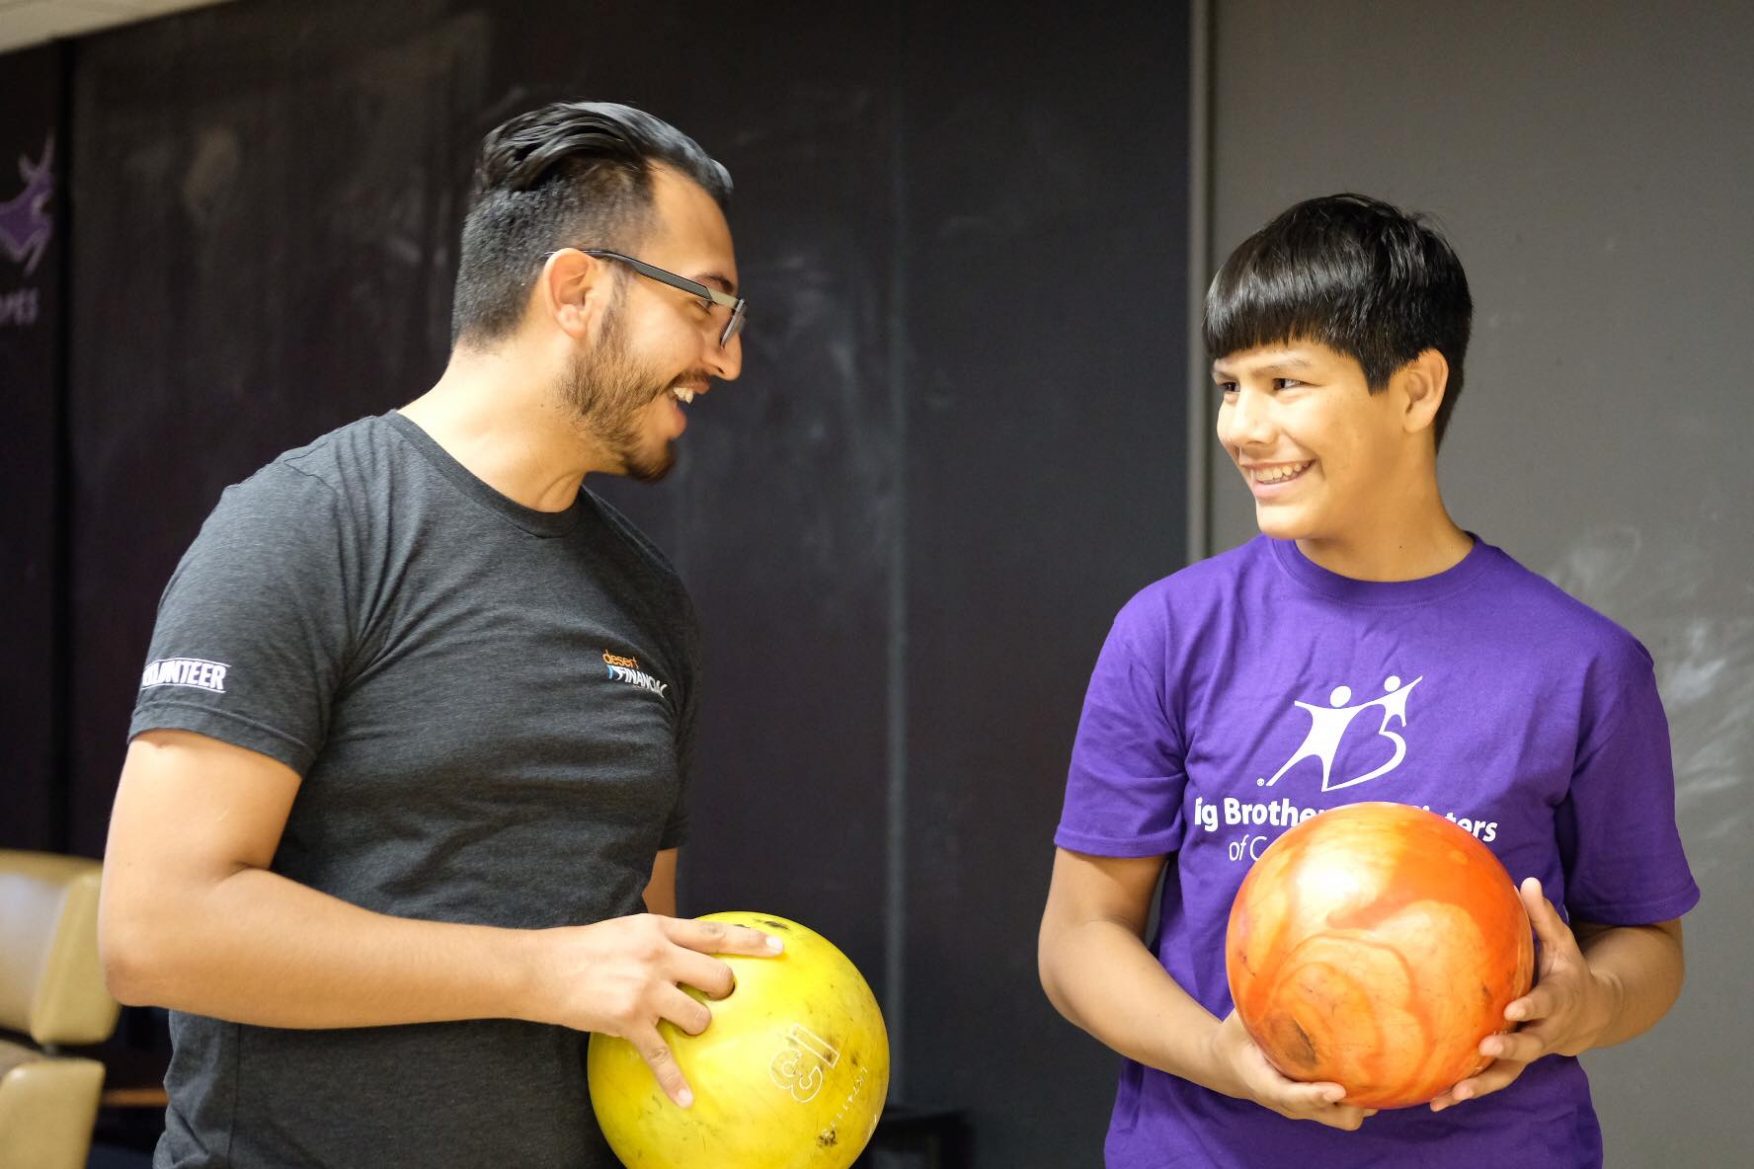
point(1249, 691)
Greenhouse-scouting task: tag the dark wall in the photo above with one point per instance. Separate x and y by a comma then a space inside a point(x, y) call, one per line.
point(1046, 168)
point(267, 206)
point(33, 236)
point(956, 447)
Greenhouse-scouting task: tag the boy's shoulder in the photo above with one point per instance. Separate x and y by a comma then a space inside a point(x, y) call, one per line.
point(1497, 596)
point(1535, 607)
point(1220, 576)
point(1199, 590)
point(1219, 572)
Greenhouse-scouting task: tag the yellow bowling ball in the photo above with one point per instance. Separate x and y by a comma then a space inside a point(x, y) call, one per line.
point(791, 1073)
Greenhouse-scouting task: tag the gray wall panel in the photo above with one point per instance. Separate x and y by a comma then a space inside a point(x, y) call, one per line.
point(1591, 163)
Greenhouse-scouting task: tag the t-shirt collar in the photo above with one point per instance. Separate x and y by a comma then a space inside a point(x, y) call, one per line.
point(537, 523)
point(1313, 577)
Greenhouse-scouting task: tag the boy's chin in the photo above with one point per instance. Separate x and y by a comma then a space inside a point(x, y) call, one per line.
point(1282, 524)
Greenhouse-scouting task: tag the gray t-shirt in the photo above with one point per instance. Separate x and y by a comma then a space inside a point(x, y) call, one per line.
point(492, 710)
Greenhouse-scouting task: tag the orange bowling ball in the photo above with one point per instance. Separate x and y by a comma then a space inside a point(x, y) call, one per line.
point(1374, 946)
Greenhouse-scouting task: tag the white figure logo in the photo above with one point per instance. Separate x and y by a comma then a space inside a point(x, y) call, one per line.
point(1327, 726)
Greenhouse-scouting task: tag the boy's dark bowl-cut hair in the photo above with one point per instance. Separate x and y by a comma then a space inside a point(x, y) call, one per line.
point(1355, 274)
point(565, 175)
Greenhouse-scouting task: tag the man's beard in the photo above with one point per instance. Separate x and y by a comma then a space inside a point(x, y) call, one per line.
point(609, 393)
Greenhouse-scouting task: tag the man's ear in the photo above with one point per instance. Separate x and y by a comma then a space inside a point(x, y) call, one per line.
point(572, 290)
point(1422, 383)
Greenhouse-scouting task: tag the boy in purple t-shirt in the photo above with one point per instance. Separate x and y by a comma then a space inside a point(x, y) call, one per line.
point(1364, 647)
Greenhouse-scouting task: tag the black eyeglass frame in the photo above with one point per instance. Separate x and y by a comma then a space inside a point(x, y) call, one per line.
point(738, 305)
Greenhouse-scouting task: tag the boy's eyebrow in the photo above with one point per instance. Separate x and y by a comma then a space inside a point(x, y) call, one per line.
point(717, 280)
point(1276, 362)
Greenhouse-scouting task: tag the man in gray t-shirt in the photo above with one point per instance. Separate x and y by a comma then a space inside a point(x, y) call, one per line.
point(412, 744)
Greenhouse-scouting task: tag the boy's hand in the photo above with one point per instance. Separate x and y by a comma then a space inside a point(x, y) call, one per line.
point(1564, 1013)
point(1246, 1074)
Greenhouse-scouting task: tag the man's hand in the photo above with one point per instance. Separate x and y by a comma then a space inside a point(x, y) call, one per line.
point(1248, 1076)
point(622, 976)
point(193, 918)
point(1564, 1013)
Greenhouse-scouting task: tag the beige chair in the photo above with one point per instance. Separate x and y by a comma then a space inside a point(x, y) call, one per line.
point(51, 991)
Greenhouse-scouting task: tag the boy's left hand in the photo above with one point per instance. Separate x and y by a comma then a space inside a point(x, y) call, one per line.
point(1563, 1013)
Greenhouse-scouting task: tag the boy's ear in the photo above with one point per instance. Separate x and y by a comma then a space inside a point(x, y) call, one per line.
point(1423, 383)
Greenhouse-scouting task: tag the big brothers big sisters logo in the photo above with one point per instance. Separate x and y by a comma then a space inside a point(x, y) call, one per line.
point(26, 227)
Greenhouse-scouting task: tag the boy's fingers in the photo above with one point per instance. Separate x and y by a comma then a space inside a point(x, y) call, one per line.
point(1537, 1004)
point(1516, 1047)
point(1550, 928)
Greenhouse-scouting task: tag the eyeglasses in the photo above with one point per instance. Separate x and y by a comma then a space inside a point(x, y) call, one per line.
point(736, 304)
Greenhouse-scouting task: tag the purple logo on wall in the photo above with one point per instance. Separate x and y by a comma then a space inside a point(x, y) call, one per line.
point(25, 223)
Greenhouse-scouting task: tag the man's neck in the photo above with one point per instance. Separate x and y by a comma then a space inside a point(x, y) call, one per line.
point(491, 414)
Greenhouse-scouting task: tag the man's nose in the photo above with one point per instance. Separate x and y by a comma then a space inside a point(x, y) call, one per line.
point(725, 361)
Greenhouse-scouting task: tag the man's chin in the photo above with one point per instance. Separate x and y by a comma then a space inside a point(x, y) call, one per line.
point(654, 468)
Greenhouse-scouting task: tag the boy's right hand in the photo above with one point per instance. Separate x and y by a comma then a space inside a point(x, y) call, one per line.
point(1245, 1074)
point(623, 975)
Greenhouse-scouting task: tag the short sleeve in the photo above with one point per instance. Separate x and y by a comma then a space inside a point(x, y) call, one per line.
point(1624, 862)
point(252, 635)
point(1124, 786)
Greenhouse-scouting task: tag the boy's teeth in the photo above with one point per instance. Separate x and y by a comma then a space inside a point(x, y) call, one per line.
point(1279, 474)
point(683, 395)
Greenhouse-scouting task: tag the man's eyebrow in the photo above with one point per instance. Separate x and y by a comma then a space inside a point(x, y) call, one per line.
point(717, 280)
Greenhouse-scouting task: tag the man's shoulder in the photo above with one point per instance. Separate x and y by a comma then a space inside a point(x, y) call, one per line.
point(361, 448)
point(327, 484)
point(628, 532)
point(330, 464)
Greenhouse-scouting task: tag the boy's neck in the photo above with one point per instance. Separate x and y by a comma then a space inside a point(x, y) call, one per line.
point(1406, 547)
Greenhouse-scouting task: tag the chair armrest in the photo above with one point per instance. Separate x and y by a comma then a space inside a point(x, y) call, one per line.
point(48, 1105)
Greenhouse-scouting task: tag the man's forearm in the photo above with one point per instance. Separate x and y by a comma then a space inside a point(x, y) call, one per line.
point(255, 947)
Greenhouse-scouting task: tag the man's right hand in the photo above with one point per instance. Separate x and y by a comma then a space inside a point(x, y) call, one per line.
point(621, 976)
point(193, 918)
point(1243, 1072)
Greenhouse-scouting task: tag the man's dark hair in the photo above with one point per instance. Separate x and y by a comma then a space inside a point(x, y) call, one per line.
point(569, 174)
point(1355, 274)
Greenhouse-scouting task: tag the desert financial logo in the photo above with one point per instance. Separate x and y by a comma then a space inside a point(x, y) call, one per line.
point(627, 670)
point(25, 223)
